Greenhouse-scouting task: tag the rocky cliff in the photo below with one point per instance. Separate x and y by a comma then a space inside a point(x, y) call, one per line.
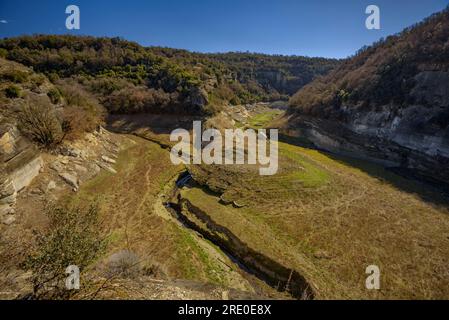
point(390, 102)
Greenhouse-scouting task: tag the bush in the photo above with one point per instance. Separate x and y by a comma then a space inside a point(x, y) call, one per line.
point(72, 238)
point(13, 92)
point(53, 77)
point(107, 86)
point(37, 80)
point(78, 120)
point(138, 99)
point(3, 53)
point(38, 121)
point(54, 95)
point(124, 264)
point(83, 112)
point(15, 76)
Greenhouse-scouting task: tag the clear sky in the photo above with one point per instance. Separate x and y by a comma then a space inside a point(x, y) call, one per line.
point(329, 28)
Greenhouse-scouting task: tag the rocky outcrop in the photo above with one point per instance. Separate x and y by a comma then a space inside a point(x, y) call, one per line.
point(9, 141)
point(14, 181)
point(8, 196)
point(414, 136)
point(391, 98)
point(6, 143)
point(22, 176)
point(70, 179)
point(20, 163)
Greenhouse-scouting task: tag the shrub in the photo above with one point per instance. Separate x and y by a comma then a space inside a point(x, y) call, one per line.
point(15, 76)
point(37, 80)
point(38, 121)
point(13, 92)
point(3, 53)
point(138, 99)
point(107, 86)
point(78, 120)
point(53, 77)
point(83, 112)
point(54, 95)
point(124, 264)
point(72, 238)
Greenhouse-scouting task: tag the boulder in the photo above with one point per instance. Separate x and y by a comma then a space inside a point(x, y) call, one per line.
point(108, 160)
point(70, 179)
point(51, 185)
point(5, 209)
point(8, 219)
point(6, 143)
point(71, 152)
point(23, 175)
point(107, 167)
point(80, 168)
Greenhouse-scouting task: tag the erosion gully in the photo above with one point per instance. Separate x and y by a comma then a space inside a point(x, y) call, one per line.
point(250, 261)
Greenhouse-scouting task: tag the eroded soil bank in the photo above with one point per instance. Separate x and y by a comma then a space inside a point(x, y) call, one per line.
point(249, 260)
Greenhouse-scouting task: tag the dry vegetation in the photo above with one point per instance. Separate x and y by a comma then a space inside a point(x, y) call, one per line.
point(330, 217)
point(330, 221)
point(380, 74)
point(130, 208)
point(326, 217)
point(131, 78)
point(45, 113)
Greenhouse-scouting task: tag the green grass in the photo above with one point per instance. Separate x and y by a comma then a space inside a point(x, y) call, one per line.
point(311, 175)
point(260, 120)
point(195, 260)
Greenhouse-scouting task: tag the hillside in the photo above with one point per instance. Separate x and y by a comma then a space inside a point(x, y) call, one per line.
point(281, 75)
point(130, 78)
point(86, 176)
point(390, 101)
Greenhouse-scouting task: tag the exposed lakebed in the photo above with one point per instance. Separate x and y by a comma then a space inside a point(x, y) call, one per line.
point(274, 274)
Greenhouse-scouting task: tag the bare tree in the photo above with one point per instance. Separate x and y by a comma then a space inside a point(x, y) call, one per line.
point(37, 119)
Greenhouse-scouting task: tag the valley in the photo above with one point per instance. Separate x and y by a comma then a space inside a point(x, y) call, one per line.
point(333, 217)
point(87, 176)
point(312, 227)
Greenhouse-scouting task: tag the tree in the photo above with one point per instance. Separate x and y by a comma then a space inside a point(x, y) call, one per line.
point(72, 238)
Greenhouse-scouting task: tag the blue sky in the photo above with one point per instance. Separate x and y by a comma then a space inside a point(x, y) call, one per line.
point(302, 27)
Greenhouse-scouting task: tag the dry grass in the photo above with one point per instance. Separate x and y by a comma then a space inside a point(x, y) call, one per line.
point(329, 219)
point(127, 203)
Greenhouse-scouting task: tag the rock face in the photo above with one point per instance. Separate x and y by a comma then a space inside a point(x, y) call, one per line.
point(20, 163)
point(417, 134)
point(414, 136)
point(21, 159)
point(22, 176)
point(9, 140)
point(8, 196)
point(388, 101)
point(422, 127)
point(71, 179)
